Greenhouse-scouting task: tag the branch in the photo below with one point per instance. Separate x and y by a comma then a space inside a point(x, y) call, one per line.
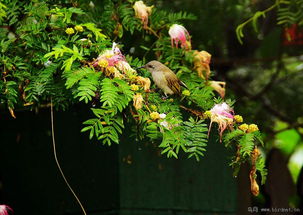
point(291, 126)
point(194, 112)
point(264, 101)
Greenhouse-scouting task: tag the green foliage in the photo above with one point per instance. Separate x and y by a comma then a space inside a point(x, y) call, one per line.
point(189, 136)
point(42, 84)
point(2, 11)
point(105, 127)
point(51, 51)
point(290, 12)
point(9, 93)
point(75, 76)
point(246, 143)
point(62, 50)
point(128, 20)
point(96, 31)
point(261, 168)
point(115, 94)
point(87, 87)
point(195, 138)
point(161, 17)
point(65, 14)
point(232, 136)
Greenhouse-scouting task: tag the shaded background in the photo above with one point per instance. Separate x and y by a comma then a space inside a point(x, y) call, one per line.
point(130, 179)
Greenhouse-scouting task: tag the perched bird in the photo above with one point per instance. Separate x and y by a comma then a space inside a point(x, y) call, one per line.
point(164, 78)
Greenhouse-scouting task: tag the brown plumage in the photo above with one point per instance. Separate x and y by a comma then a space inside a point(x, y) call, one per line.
point(164, 78)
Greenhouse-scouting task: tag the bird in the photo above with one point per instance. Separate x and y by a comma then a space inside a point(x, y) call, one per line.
point(164, 78)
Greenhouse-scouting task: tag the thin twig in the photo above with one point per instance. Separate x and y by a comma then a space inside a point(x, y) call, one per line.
point(194, 112)
point(57, 162)
point(152, 31)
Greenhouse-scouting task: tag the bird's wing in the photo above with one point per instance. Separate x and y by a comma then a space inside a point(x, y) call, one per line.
point(173, 82)
point(183, 84)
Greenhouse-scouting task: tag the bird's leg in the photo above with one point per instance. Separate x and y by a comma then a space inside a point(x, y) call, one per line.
point(164, 97)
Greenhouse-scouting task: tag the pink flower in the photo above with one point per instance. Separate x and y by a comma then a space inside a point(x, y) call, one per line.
point(223, 115)
point(4, 210)
point(113, 58)
point(178, 34)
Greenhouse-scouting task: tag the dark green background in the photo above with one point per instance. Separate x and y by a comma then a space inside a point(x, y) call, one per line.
point(129, 179)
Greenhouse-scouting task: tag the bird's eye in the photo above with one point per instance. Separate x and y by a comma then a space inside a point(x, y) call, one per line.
point(150, 66)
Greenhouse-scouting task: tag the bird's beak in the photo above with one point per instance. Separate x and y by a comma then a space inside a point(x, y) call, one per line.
point(140, 67)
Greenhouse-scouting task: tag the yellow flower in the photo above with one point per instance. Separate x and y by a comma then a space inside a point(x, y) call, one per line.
point(111, 70)
point(69, 31)
point(207, 113)
point(186, 92)
point(138, 101)
point(252, 128)
point(154, 115)
point(103, 63)
point(79, 28)
point(243, 127)
point(238, 118)
point(134, 87)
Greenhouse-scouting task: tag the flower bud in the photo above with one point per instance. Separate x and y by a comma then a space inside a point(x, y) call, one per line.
point(134, 87)
point(142, 12)
point(178, 34)
point(79, 28)
point(154, 115)
point(238, 118)
point(252, 128)
point(201, 63)
point(218, 86)
point(243, 127)
point(186, 93)
point(69, 31)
